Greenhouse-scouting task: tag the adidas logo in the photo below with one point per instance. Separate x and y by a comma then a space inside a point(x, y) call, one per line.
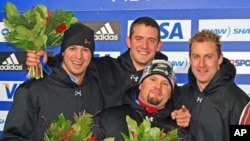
point(11, 63)
point(106, 33)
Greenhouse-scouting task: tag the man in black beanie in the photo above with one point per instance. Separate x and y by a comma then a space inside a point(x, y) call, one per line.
point(70, 88)
point(78, 34)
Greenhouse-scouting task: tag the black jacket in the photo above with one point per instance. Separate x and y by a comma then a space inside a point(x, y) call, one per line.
point(38, 102)
point(217, 107)
point(115, 75)
point(111, 122)
point(118, 75)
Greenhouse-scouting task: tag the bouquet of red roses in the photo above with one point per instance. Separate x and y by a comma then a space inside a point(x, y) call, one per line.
point(66, 130)
point(36, 29)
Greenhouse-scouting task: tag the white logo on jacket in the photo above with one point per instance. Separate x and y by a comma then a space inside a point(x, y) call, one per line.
point(134, 77)
point(78, 92)
point(199, 99)
point(150, 118)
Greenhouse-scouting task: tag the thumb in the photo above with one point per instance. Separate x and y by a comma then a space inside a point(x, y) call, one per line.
point(183, 108)
point(173, 114)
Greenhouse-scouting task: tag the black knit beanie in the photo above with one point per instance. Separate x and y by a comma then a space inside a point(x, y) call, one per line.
point(78, 34)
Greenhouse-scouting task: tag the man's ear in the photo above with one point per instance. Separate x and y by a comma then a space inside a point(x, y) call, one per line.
point(128, 42)
point(221, 59)
point(159, 46)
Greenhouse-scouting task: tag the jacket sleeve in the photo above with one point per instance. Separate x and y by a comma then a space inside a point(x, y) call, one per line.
point(55, 61)
point(98, 130)
point(245, 115)
point(18, 126)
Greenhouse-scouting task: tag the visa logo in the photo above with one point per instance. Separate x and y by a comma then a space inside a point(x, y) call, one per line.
point(7, 90)
point(10, 90)
point(172, 30)
point(175, 30)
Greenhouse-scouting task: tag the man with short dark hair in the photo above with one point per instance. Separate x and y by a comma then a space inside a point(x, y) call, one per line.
point(69, 89)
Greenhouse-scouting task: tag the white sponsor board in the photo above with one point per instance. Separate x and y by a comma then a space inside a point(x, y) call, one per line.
point(241, 60)
point(172, 30)
point(7, 89)
point(245, 88)
point(229, 29)
point(3, 115)
point(180, 61)
point(3, 30)
point(113, 54)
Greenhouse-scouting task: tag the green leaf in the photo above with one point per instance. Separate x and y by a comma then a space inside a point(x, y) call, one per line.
point(132, 124)
point(109, 139)
point(42, 10)
point(7, 24)
point(39, 42)
point(27, 19)
point(11, 10)
point(173, 134)
point(153, 134)
point(144, 132)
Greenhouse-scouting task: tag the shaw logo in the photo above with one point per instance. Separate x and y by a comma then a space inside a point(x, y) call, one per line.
point(179, 60)
point(7, 89)
point(229, 29)
point(12, 61)
point(172, 30)
point(105, 31)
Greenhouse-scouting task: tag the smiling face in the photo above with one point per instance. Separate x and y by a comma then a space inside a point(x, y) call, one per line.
point(155, 90)
point(204, 61)
point(143, 44)
point(76, 59)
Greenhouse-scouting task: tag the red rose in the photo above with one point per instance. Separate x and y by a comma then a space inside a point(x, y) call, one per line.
point(134, 133)
point(61, 28)
point(93, 138)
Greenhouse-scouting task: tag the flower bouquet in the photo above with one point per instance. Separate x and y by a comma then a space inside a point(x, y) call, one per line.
point(36, 29)
point(66, 130)
point(144, 132)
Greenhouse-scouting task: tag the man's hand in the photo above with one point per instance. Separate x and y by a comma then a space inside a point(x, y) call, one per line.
point(182, 116)
point(32, 57)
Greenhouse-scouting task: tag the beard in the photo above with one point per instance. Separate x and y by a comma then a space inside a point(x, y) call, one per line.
point(153, 101)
